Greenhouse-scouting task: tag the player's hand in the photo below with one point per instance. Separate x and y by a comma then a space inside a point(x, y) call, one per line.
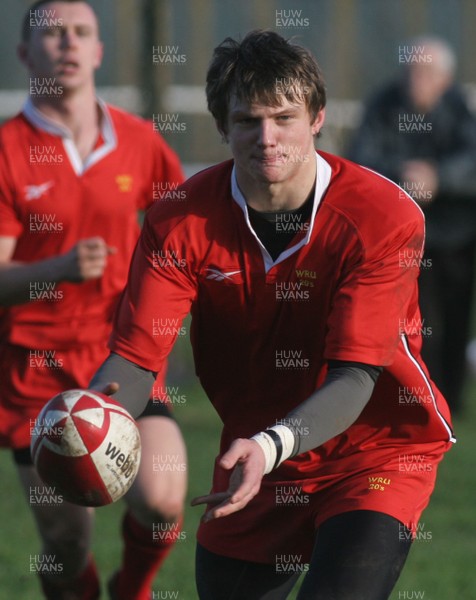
point(247, 460)
point(86, 260)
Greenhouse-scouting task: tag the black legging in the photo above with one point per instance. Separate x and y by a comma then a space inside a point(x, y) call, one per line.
point(357, 556)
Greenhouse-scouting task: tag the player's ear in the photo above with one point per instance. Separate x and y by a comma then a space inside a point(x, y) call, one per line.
point(318, 122)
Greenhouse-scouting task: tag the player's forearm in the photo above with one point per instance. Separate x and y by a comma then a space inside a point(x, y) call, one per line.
point(134, 382)
point(327, 413)
point(330, 410)
point(17, 279)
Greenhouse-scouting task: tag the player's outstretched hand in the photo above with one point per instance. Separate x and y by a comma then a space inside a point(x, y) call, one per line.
point(86, 260)
point(247, 460)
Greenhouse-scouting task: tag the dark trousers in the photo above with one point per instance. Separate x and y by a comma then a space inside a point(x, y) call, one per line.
point(446, 299)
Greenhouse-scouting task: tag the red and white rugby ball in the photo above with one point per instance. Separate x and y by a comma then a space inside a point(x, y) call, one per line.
point(87, 446)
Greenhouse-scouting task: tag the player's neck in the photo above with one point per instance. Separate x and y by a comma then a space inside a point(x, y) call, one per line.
point(78, 112)
point(290, 194)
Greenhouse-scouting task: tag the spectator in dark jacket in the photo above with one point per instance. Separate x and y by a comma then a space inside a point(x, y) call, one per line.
point(420, 133)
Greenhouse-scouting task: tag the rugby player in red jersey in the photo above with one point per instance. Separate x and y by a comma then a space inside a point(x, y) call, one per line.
point(306, 338)
point(74, 172)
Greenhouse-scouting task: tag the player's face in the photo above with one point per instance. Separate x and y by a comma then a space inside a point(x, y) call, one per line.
point(69, 50)
point(272, 144)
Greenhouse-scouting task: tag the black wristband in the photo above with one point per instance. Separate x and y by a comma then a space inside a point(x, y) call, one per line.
point(278, 443)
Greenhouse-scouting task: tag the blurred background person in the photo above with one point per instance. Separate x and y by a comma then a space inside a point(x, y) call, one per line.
point(74, 173)
point(419, 132)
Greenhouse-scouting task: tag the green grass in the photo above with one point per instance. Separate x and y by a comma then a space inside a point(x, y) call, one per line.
point(440, 568)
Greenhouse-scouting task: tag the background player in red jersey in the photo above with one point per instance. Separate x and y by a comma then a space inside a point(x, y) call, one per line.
point(306, 339)
point(74, 173)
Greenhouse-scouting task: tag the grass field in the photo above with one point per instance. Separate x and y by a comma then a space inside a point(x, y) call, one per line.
point(440, 567)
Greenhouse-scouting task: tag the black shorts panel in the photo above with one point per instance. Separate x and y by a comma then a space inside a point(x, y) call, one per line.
point(156, 408)
point(22, 457)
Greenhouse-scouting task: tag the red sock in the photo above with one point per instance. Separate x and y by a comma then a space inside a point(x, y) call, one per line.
point(145, 549)
point(84, 587)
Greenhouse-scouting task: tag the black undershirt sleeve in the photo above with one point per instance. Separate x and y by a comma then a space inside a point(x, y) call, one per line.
point(373, 371)
point(334, 407)
point(135, 383)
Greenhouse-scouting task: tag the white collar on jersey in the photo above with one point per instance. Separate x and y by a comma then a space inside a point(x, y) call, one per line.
point(324, 173)
point(41, 121)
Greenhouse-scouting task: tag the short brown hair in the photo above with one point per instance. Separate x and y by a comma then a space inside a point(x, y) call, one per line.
point(26, 29)
point(260, 68)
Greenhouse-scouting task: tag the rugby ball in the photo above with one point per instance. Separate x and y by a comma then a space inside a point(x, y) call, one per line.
point(87, 446)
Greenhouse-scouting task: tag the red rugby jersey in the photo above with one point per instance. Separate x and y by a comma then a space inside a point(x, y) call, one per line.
point(49, 200)
point(263, 330)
